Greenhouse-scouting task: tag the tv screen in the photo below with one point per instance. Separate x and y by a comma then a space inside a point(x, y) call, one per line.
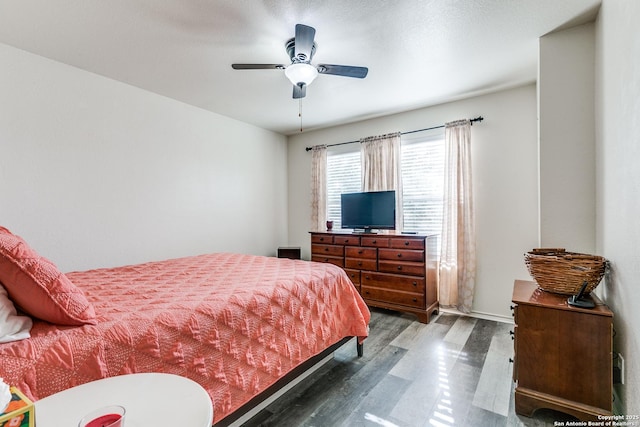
point(369, 210)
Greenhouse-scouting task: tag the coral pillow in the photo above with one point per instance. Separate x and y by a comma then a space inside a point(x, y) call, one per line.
point(37, 286)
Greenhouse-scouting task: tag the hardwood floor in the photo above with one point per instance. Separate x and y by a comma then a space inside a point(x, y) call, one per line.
point(455, 371)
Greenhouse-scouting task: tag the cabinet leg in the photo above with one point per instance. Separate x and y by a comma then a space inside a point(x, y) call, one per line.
point(423, 317)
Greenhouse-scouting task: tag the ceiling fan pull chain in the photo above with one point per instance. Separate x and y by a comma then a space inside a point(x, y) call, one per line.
point(300, 112)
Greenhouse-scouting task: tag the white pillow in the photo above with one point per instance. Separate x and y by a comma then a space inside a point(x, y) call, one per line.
point(12, 326)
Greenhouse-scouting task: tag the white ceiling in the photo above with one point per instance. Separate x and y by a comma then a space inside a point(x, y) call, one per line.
point(419, 52)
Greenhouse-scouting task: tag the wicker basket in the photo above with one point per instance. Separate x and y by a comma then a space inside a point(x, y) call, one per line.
point(561, 272)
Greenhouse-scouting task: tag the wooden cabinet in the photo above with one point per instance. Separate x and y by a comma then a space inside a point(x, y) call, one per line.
point(393, 271)
point(563, 354)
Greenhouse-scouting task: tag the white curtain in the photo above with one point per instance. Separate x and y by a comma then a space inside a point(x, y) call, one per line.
point(381, 167)
point(458, 247)
point(319, 188)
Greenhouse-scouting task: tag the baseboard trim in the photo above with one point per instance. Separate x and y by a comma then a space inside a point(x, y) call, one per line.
point(617, 402)
point(479, 315)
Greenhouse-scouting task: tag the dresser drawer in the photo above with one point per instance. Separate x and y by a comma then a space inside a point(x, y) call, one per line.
point(360, 252)
point(401, 254)
point(376, 242)
point(354, 275)
point(407, 243)
point(321, 238)
point(347, 240)
point(361, 263)
point(413, 268)
point(329, 250)
point(393, 281)
point(411, 299)
point(339, 261)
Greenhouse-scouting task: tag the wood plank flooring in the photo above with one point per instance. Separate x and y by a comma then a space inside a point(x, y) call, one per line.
point(455, 371)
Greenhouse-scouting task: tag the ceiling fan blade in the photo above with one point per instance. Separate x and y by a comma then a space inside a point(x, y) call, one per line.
point(304, 42)
point(258, 66)
point(343, 70)
point(299, 91)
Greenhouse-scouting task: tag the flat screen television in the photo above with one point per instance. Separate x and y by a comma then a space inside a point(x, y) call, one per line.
point(372, 210)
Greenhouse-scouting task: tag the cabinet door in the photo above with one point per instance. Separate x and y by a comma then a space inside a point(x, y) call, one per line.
point(565, 353)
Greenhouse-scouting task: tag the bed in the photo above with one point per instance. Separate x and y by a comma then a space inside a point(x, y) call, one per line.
point(236, 324)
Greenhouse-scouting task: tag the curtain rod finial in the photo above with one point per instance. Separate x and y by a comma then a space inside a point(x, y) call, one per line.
point(477, 119)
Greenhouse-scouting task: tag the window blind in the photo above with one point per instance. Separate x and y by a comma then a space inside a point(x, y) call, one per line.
point(422, 180)
point(343, 176)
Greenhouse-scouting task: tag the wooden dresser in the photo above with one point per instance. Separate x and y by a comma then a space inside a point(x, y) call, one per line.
point(393, 271)
point(563, 355)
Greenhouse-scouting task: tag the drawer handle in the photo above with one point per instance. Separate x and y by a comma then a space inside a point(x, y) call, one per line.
point(366, 292)
point(322, 239)
point(326, 260)
point(360, 251)
point(375, 241)
point(415, 283)
point(399, 255)
point(406, 243)
point(415, 300)
point(326, 249)
point(366, 277)
point(360, 263)
point(399, 268)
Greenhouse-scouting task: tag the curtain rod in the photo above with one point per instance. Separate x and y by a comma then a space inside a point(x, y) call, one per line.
point(477, 119)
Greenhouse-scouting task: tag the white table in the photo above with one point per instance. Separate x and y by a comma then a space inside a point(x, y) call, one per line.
point(152, 399)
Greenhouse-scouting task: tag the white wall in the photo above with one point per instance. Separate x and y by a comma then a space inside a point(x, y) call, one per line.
point(94, 172)
point(505, 163)
point(567, 139)
point(618, 180)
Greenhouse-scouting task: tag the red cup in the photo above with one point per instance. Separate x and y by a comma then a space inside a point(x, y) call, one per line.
point(107, 416)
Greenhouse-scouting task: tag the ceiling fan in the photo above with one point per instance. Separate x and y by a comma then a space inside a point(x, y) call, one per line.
point(300, 72)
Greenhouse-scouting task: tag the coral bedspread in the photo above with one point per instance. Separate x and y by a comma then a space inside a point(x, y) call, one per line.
point(233, 323)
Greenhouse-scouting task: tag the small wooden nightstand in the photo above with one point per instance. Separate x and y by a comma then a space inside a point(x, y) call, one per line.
point(563, 355)
point(291, 252)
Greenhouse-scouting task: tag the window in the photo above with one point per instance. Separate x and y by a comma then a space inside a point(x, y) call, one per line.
point(422, 180)
point(423, 184)
point(343, 176)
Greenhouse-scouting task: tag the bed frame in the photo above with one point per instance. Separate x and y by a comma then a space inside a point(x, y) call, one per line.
point(284, 384)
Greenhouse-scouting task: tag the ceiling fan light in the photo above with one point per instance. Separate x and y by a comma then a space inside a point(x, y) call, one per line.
point(301, 73)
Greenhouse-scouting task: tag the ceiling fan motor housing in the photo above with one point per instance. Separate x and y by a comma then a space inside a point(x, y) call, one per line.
point(291, 51)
